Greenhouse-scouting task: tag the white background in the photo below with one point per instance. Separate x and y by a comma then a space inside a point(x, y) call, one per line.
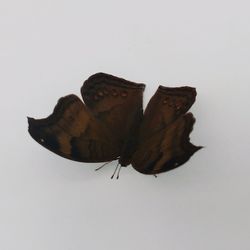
point(49, 47)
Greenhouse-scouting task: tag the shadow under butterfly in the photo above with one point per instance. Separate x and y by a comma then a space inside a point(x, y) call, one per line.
point(110, 125)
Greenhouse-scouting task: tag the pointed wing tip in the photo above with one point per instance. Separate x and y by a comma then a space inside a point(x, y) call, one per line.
point(31, 126)
point(197, 148)
point(30, 119)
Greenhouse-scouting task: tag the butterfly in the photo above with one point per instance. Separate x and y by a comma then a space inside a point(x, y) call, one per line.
point(110, 125)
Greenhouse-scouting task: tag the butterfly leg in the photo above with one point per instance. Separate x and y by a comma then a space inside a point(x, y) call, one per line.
point(102, 165)
point(117, 177)
point(115, 170)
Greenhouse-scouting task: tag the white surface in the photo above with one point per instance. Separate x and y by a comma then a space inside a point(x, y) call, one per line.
point(48, 48)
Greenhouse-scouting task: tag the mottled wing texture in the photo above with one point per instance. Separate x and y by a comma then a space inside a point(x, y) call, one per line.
point(88, 132)
point(163, 142)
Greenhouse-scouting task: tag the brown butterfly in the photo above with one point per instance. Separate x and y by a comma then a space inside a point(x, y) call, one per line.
point(110, 125)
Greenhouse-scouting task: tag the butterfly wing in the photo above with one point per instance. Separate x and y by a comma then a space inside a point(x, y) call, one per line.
point(114, 101)
point(71, 131)
point(86, 132)
point(163, 142)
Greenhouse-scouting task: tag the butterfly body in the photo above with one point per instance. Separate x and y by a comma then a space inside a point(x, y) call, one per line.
point(110, 125)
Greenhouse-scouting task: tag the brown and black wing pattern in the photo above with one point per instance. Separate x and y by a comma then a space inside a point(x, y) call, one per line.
point(72, 132)
point(87, 132)
point(164, 134)
point(116, 102)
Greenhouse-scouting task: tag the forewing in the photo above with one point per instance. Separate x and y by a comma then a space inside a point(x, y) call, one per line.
point(94, 131)
point(164, 142)
point(116, 102)
point(72, 132)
